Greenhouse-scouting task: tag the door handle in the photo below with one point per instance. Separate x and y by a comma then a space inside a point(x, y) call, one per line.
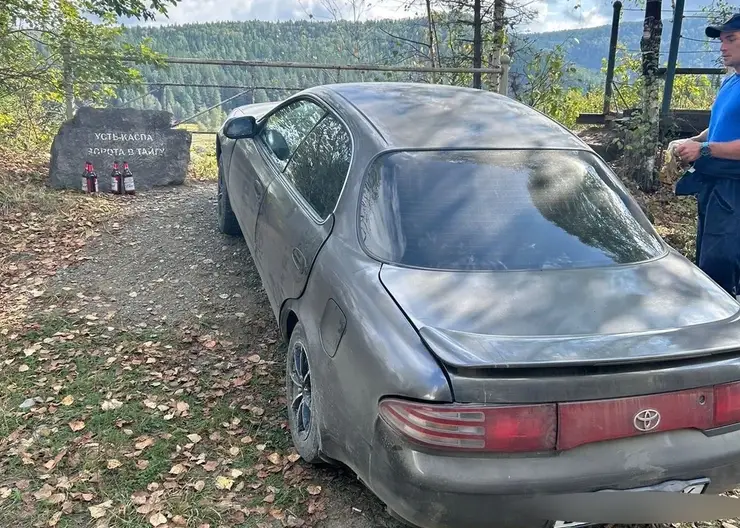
point(299, 260)
point(258, 188)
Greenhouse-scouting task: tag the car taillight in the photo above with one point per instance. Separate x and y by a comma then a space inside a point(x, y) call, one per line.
point(463, 427)
point(726, 404)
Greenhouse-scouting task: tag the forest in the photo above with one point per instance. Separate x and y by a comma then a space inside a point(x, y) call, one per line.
point(378, 42)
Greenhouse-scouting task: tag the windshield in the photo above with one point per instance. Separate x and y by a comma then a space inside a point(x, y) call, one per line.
point(500, 210)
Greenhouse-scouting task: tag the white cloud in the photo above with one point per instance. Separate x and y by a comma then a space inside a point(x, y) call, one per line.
point(552, 15)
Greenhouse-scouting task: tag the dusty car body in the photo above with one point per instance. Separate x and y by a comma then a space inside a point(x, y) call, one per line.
point(475, 307)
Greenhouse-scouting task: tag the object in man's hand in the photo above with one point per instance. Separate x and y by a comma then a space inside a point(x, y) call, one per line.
point(673, 166)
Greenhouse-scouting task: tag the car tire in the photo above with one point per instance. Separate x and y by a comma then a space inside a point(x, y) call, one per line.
point(302, 415)
point(227, 222)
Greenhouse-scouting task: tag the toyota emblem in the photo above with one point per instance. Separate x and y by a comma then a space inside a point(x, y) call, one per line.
point(646, 420)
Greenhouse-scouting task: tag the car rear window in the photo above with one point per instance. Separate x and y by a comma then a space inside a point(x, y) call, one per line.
point(501, 210)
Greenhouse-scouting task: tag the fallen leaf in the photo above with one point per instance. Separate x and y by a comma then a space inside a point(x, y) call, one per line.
point(68, 400)
point(157, 519)
point(224, 483)
point(24, 368)
point(195, 438)
point(87, 497)
point(314, 490)
point(199, 485)
point(110, 405)
point(275, 458)
point(113, 464)
point(139, 497)
point(210, 465)
point(254, 358)
point(293, 458)
point(182, 406)
point(55, 518)
point(179, 520)
point(247, 440)
point(77, 425)
point(57, 498)
point(51, 464)
point(236, 473)
point(210, 344)
point(98, 511)
point(142, 464)
point(144, 442)
point(269, 499)
point(5, 493)
point(234, 451)
point(178, 469)
point(44, 493)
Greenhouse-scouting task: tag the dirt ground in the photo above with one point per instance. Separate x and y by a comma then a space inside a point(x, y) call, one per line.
point(166, 265)
point(153, 372)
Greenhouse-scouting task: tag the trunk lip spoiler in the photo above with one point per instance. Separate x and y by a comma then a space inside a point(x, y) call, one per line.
point(467, 350)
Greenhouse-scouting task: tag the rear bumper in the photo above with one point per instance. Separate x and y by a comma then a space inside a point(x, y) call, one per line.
point(435, 491)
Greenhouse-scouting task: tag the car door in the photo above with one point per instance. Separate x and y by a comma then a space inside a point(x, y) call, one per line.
point(257, 161)
point(296, 216)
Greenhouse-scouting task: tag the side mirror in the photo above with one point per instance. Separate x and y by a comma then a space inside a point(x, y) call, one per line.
point(240, 128)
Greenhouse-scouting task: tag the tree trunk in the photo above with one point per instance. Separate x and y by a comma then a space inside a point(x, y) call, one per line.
point(432, 38)
point(68, 82)
point(499, 21)
point(646, 136)
point(477, 43)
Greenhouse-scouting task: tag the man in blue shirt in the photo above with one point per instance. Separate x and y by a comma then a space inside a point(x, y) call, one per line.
point(714, 177)
point(722, 138)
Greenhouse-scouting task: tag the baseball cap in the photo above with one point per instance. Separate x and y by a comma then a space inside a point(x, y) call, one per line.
point(731, 25)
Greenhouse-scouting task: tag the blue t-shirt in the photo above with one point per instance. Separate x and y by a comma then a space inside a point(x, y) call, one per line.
point(724, 123)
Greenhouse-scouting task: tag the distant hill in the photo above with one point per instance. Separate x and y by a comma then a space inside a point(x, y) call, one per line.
point(333, 43)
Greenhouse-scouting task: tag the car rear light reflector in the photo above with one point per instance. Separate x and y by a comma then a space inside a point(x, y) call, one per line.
point(726, 404)
point(506, 428)
point(593, 421)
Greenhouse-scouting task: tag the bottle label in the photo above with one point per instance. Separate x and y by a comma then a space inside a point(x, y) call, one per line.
point(128, 183)
point(84, 184)
point(97, 189)
point(114, 184)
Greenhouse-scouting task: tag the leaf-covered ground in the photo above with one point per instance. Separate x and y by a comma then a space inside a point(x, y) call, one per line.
point(142, 374)
point(142, 371)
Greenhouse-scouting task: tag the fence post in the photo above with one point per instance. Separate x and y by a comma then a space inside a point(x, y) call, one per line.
point(503, 87)
point(609, 87)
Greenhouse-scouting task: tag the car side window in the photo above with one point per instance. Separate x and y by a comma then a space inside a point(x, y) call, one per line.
point(319, 167)
point(286, 128)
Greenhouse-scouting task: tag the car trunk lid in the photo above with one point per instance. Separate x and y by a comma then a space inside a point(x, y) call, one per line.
point(654, 311)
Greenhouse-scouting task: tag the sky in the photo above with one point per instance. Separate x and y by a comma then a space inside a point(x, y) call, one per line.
point(552, 15)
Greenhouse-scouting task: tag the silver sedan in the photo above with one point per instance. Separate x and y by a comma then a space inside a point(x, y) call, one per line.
point(475, 307)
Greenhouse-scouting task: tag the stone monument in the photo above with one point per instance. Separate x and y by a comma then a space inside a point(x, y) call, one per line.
point(157, 154)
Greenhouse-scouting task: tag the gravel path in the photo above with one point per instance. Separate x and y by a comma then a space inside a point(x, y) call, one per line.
point(166, 266)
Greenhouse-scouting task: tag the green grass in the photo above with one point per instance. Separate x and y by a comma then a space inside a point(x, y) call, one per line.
point(81, 368)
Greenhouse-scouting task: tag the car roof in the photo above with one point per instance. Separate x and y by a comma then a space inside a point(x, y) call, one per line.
point(415, 115)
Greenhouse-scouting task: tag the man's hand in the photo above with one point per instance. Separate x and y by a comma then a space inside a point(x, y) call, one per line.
point(689, 151)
